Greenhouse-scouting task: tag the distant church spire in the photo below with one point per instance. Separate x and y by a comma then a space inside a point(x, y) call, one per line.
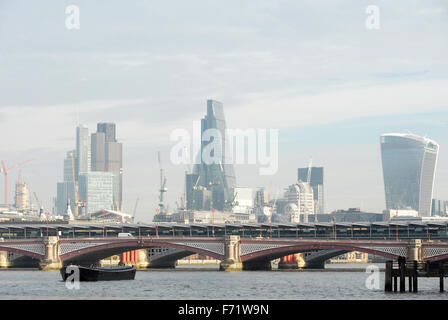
point(69, 211)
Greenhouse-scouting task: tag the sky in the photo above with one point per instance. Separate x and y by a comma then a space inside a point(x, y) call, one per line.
point(312, 70)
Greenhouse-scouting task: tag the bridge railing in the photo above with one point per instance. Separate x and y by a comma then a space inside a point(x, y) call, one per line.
point(246, 235)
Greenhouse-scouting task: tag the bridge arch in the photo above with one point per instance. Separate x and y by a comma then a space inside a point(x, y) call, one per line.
point(37, 253)
point(98, 251)
point(275, 253)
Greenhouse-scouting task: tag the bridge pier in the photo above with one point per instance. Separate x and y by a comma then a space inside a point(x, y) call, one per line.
point(142, 259)
point(4, 262)
point(415, 250)
point(232, 253)
point(51, 260)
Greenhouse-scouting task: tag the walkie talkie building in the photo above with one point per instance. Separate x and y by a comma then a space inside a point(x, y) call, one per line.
point(409, 165)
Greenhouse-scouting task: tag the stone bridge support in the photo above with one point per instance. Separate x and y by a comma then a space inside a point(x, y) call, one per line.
point(232, 253)
point(4, 262)
point(51, 260)
point(142, 259)
point(415, 250)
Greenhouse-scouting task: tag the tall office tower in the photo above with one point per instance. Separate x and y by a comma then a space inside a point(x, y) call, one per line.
point(439, 208)
point(65, 189)
point(114, 164)
point(218, 177)
point(107, 156)
point(96, 189)
point(82, 163)
point(98, 152)
point(317, 183)
point(409, 165)
point(65, 192)
point(69, 162)
point(108, 129)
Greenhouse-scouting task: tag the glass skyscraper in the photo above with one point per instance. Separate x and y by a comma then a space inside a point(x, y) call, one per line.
point(109, 130)
point(82, 160)
point(409, 165)
point(219, 178)
point(96, 188)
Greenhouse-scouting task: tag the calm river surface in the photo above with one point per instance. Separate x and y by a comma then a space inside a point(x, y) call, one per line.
point(212, 284)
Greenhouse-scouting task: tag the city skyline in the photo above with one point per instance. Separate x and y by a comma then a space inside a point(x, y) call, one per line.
point(330, 85)
point(175, 197)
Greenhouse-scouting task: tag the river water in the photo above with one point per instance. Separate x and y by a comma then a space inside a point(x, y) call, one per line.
point(332, 283)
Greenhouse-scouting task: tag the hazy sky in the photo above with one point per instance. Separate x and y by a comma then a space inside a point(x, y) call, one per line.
point(314, 71)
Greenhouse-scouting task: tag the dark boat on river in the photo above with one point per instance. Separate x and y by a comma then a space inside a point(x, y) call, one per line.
point(100, 274)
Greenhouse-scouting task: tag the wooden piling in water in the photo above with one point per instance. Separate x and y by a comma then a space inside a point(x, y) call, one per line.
point(441, 275)
point(414, 277)
point(388, 277)
point(402, 267)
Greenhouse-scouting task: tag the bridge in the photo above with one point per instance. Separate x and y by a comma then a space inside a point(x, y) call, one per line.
point(381, 230)
point(234, 252)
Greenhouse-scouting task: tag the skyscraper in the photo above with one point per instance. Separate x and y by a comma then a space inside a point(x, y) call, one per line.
point(82, 160)
point(218, 177)
point(317, 183)
point(101, 155)
point(98, 151)
point(108, 129)
point(68, 166)
point(409, 165)
point(107, 156)
point(65, 189)
point(96, 189)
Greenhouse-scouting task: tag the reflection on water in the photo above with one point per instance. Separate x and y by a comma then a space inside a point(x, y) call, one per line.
point(199, 283)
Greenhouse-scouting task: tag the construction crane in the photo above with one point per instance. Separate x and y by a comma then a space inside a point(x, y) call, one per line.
point(195, 187)
point(232, 203)
point(227, 203)
point(163, 188)
point(135, 209)
point(41, 208)
point(5, 172)
point(78, 200)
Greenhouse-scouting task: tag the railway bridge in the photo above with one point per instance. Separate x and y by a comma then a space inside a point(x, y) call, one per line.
point(234, 252)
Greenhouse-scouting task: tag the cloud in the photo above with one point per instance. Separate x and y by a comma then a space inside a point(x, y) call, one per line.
point(287, 109)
